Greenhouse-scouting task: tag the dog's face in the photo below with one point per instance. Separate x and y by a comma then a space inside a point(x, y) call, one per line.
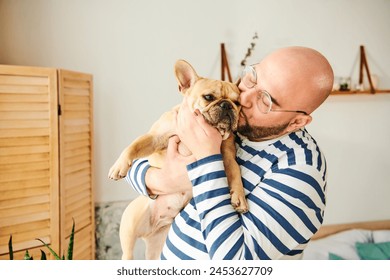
point(216, 100)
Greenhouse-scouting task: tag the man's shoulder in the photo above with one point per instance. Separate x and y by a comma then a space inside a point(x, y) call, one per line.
point(295, 149)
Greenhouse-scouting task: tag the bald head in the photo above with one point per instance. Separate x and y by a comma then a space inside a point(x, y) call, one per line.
point(300, 77)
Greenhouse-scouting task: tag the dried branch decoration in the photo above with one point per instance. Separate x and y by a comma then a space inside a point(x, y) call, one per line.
point(250, 49)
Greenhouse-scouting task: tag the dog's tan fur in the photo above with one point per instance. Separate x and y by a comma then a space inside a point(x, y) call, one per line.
point(150, 219)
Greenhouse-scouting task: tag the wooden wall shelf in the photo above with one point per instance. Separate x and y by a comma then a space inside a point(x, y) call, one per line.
point(352, 92)
point(363, 65)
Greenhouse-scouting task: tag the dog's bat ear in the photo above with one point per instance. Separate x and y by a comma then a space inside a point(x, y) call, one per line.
point(185, 74)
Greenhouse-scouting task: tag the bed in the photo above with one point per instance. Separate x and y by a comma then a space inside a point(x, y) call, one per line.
point(351, 241)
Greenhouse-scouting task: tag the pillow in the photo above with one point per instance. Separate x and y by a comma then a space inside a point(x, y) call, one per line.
point(380, 236)
point(341, 244)
point(373, 251)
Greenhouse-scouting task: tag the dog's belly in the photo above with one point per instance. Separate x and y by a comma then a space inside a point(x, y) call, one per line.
point(166, 207)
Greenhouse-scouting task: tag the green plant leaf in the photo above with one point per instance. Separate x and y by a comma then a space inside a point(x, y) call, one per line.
point(50, 249)
point(11, 250)
point(71, 243)
point(27, 256)
point(43, 256)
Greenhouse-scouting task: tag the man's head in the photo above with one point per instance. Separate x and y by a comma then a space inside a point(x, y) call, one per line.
point(283, 90)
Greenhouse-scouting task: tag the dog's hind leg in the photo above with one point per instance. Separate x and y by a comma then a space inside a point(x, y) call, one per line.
point(155, 242)
point(135, 223)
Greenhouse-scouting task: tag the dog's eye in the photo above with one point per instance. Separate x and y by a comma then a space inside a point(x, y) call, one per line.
point(237, 103)
point(209, 97)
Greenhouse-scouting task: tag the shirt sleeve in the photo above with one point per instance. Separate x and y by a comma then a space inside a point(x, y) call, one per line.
point(284, 212)
point(136, 175)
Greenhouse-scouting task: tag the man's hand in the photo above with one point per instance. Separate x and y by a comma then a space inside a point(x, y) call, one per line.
point(172, 177)
point(201, 138)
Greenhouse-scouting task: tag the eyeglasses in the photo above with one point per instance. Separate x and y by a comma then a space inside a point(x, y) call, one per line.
point(264, 99)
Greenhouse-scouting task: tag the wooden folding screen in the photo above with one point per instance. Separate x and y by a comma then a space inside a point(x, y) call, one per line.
point(45, 160)
point(76, 192)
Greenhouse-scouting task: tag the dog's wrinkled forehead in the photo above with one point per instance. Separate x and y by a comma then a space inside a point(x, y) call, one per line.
point(219, 89)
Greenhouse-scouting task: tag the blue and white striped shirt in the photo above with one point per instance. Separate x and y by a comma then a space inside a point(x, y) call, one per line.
point(285, 184)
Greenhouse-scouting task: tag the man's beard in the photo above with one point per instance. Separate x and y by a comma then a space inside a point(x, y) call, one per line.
point(256, 133)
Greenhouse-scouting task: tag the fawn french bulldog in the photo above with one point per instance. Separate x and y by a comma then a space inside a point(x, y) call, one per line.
point(147, 218)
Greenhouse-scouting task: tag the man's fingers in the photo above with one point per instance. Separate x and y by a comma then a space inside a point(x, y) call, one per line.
point(173, 144)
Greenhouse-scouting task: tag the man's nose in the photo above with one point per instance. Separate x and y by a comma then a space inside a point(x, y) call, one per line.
point(246, 96)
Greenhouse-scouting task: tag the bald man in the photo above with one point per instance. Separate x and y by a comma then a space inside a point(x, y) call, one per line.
point(282, 167)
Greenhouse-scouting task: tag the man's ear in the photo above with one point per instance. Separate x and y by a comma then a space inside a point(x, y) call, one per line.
point(185, 74)
point(298, 122)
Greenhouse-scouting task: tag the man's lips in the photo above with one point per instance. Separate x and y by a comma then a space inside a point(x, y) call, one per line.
point(242, 115)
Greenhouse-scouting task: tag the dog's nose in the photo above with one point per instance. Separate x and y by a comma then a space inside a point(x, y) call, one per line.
point(226, 105)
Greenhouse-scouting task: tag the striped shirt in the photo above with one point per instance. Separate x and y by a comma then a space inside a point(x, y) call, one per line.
point(285, 186)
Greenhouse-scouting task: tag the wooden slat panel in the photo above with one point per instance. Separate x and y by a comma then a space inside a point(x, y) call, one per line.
point(16, 176)
point(22, 246)
point(23, 107)
point(26, 132)
point(25, 166)
point(4, 124)
point(78, 188)
point(77, 159)
point(14, 203)
point(78, 115)
point(76, 106)
point(75, 93)
point(39, 98)
point(83, 244)
point(76, 182)
point(71, 169)
point(20, 193)
point(77, 152)
point(24, 158)
point(82, 219)
point(78, 137)
point(22, 184)
point(23, 80)
point(24, 228)
point(76, 99)
point(23, 210)
point(23, 89)
point(77, 83)
point(36, 115)
point(77, 129)
point(76, 122)
point(24, 150)
point(26, 236)
point(29, 206)
point(327, 230)
point(10, 221)
point(24, 141)
point(34, 252)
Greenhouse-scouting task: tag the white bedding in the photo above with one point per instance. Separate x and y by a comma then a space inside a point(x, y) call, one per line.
point(343, 244)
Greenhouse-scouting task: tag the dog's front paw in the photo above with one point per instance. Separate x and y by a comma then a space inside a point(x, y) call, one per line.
point(119, 170)
point(239, 202)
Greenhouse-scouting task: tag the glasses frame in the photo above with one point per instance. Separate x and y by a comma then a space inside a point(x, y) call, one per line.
point(253, 84)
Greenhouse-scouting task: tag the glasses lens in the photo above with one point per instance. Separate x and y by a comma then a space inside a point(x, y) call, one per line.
point(248, 77)
point(264, 102)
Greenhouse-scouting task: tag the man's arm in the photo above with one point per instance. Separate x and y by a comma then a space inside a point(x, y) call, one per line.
point(136, 175)
point(171, 178)
point(285, 210)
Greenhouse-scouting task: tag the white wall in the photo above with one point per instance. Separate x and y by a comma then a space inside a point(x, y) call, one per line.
point(130, 48)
